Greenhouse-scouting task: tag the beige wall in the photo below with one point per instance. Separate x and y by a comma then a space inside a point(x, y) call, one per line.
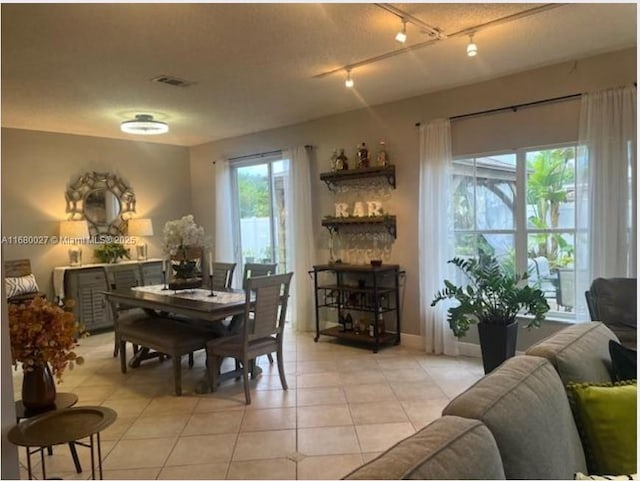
point(395, 123)
point(37, 166)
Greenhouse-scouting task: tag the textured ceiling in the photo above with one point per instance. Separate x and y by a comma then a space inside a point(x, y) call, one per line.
point(83, 68)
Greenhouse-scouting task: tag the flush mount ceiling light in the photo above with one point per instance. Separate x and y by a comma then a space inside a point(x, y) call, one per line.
point(144, 124)
point(349, 82)
point(472, 48)
point(401, 36)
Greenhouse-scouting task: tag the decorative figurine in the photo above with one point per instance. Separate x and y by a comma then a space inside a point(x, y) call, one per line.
point(382, 158)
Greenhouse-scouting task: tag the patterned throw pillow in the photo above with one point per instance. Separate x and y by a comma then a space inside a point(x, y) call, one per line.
point(15, 286)
point(604, 476)
point(606, 418)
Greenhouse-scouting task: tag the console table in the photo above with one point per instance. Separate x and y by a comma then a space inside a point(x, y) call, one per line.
point(85, 284)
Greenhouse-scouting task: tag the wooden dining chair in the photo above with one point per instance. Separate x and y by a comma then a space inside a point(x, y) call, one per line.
point(124, 276)
point(262, 334)
point(222, 275)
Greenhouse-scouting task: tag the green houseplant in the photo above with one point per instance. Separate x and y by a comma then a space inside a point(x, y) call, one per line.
point(110, 252)
point(492, 298)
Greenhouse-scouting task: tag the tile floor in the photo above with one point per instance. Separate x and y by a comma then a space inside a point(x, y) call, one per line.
point(344, 406)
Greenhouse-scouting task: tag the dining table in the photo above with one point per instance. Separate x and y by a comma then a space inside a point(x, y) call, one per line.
point(200, 307)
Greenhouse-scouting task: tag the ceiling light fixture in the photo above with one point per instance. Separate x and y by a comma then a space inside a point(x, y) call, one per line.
point(349, 82)
point(144, 124)
point(472, 48)
point(401, 36)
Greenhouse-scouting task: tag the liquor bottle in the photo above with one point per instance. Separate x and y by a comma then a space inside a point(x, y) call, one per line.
point(342, 163)
point(348, 323)
point(363, 156)
point(333, 160)
point(342, 322)
point(382, 159)
point(380, 321)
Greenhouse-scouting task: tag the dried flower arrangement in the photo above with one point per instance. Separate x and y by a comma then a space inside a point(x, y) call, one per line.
point(41, 333)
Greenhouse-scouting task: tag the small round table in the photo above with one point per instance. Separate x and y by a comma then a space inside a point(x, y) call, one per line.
point(63, 400)
point(61, 427)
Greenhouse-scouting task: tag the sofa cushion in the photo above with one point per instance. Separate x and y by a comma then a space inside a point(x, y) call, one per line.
point(448, 448)
point(580, 353)
point(525, 406)
point(624, 362)
point(606, 418)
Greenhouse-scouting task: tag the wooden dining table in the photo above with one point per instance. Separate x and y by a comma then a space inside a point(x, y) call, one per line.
point(195, 306)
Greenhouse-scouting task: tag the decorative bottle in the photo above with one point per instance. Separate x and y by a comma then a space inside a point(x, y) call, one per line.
point(333, 160)
point(342, 163)
point(363, 156)
point(348, 323)
point(382, 158)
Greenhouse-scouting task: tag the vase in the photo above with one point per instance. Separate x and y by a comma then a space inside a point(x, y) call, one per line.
point(38, 388)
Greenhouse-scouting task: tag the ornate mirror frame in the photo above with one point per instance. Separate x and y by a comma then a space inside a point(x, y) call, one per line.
point(97, 182)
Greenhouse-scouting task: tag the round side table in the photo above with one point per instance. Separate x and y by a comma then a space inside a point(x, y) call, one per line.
point(61, 427)
point(63, 400)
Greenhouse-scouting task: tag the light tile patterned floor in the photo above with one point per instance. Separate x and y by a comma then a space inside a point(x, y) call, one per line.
point(344, 406)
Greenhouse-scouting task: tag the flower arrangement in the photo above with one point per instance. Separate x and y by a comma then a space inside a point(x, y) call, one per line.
point(42, 333)
point(111, 252)
point(182, 234)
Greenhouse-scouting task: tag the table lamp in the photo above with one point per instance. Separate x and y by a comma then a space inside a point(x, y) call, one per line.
point(140, 228)
point(70, 232)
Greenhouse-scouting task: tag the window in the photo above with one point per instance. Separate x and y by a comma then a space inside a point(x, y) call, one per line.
point(260, 195)
point(520, 207)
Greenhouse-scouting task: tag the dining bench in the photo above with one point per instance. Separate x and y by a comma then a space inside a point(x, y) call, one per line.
point(164, 335)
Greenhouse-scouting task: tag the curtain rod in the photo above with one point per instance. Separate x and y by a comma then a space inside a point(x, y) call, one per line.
point(258, 155)
point(512, 107)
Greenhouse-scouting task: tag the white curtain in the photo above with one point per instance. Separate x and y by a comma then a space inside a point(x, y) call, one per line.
point(224, 242)
point(300, 243)
point(606, 188)
point(435, 246)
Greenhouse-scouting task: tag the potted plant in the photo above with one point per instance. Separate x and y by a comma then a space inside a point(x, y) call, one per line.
point(110, 252)
point(43, 337)
point(492, 298)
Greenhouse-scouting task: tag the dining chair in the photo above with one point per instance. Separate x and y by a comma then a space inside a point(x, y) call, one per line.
point(266, 298)
point(222, 275)
point(123, 276)
point(252, 270)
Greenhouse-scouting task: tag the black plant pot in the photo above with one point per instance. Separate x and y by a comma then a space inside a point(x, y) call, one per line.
point(498, 343)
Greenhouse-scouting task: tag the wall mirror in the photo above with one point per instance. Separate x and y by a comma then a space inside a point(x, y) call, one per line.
point(102, 199)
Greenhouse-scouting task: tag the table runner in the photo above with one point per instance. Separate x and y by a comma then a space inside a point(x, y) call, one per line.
point(195, 294)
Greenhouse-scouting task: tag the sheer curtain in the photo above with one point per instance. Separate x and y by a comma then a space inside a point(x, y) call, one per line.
point(606, 189)
point(224, 242)
point(300, 242)
point(434, 248)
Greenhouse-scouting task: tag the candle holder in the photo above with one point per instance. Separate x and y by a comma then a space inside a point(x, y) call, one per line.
point(211, 286)
point(164, 281)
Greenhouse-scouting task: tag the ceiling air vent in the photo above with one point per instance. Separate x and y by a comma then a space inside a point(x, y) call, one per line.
point(173, 81)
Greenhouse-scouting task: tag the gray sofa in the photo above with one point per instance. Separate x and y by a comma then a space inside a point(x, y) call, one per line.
point(515, 423)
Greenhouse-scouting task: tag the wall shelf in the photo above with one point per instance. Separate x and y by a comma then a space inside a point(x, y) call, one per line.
point(334, 178)
point(334, 224)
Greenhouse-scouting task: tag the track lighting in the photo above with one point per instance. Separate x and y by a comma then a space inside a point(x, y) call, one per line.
point(401, 36)
point(349, 82)
point(472, 48)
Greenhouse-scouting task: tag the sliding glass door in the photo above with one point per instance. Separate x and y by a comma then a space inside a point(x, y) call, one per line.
point(261, 222)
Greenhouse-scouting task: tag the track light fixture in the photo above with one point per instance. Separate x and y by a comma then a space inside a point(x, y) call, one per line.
point(401, 36)
point(472, 48)
point(349, 82)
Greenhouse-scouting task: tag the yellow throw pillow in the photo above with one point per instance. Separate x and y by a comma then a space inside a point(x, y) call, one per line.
point(606, 418)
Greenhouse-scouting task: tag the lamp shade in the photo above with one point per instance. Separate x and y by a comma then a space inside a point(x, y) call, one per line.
point(140, 227)
point(74, 229)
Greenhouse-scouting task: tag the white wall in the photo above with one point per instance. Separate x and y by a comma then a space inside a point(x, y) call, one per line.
point(38, 166)
point(395, 123)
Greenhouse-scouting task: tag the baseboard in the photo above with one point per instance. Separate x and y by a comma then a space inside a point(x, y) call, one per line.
point(469, 349)
point(412, 341)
